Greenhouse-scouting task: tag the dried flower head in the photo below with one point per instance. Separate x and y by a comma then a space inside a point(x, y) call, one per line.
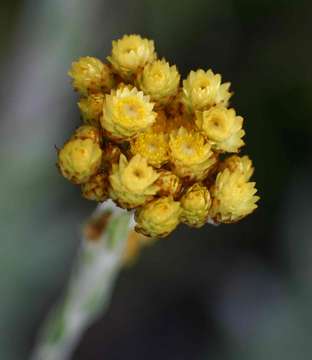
point(155, 146)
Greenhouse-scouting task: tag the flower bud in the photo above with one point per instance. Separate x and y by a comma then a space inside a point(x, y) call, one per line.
point(201, 90)
point(233, 196)
point(222, 127)
point(132, 183)
point(88, 132)
point(158, 218)
point(96, 188)
point(90, 75)
point(237, 163)
point(79, 159)
point(159, 80)
point(91, 108)
point(169, 184)
point(131, 53)
point(195, 204)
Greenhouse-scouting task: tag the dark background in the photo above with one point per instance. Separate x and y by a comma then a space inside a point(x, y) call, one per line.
point(238, 291)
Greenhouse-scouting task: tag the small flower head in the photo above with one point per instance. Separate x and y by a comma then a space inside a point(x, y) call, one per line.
point(126, 113)
point(233, 196)
point(131, 53)
point(96, 188)
point(158, 218)
point(222, 127)
point(203, 89)
point(91, 108)
point(153, 146)
point(159, 80)
point(132, 183)
point(79, 159)
point(195, 204)
point(90, 75)
point(88, 132)
point(169, 184)
point(191, 157)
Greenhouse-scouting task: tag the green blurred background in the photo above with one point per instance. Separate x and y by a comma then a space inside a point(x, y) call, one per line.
point(240, 291)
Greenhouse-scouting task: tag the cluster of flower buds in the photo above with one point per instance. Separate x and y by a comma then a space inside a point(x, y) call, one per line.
point(155, 144)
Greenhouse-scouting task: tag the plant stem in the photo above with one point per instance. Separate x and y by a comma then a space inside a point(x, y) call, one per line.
point(90, 286)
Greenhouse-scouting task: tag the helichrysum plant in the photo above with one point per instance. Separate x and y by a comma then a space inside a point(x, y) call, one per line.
point(154, 151)
point(164, 148)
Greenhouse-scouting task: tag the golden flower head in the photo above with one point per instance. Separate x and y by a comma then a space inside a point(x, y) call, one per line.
point(90, 75)
point(169, 184)
point(203, 89)
point(195, 204)
point(88, 132)
point(132, 183)
point(158, 218)
point(159, 80)
point(190, 156)
point(96, 188)
point(130, 53)
point(79, 159)
point(237, 163)
point(126, 113)
point(153, 146)
point(222, 127)
point(91, 108)
point(233, 196)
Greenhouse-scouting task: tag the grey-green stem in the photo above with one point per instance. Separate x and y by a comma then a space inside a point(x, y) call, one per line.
point(89, 289)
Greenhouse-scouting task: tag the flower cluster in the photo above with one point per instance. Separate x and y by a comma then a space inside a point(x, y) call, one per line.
point(166, 149)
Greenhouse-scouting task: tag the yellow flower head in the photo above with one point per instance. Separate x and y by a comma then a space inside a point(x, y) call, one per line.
point(88, 132)
point(96, 188)
point(91, 108)
point(132, 183)
point(126, 113)
point(130, 53)
point(222, 127)
point(203, 89)
point(233, 196)
point(79, 159)
point(190, 156)
point(153, 146)
point(237, 163)
point(195, 204)
point(169, 184)
point(159, 80)
point(90, 75)
point(158, 218)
